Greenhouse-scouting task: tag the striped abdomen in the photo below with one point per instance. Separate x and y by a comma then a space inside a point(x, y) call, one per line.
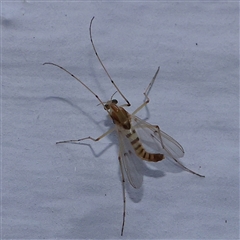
point(139, 149)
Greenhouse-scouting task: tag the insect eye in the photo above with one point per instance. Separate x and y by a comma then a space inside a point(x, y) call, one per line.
point(106, 106)
point(115, 101)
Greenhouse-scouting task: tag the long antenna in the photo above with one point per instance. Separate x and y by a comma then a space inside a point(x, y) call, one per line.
point(54, 64)
point(95, 50)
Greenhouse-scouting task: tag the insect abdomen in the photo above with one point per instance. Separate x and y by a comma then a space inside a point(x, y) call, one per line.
point(139, 149)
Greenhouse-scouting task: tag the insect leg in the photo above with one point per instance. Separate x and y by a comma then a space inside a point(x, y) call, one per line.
point(146, 93)
point(123, 189)
point(176, 160)
point(157, 129)
point(91, 138)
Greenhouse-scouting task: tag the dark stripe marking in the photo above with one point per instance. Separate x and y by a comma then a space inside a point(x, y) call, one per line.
point(138, 146)
point(141, 150)
point(128, 135)
point(135, 141)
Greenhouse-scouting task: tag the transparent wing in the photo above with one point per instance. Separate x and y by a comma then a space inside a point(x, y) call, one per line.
point(133, 165)
point(156, 141)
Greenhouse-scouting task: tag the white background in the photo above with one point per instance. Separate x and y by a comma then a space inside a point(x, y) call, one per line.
point(74, 191)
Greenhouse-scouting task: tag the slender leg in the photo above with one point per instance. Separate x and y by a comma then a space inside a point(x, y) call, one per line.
point(177, 161)
point(158, 131)
point(124, 195)
point(157, 127)
point(146, 93)
point(93, 139)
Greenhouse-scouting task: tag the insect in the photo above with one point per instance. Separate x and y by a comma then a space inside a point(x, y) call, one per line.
point(138, 140)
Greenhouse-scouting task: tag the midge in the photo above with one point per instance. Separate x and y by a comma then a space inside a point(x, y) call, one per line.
point(138, 140)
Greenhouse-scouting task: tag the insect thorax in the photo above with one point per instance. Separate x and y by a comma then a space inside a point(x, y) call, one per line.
point(119, 116)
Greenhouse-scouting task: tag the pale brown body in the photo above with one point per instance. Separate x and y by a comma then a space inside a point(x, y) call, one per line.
point(122, 118)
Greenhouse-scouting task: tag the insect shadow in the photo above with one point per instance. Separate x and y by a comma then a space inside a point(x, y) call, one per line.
point(138, 140)
point(134, 194)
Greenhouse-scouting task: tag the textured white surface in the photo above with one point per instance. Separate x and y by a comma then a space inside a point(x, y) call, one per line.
point(70, 191)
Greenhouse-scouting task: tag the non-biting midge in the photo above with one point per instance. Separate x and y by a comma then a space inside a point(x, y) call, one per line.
point(138, 140)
